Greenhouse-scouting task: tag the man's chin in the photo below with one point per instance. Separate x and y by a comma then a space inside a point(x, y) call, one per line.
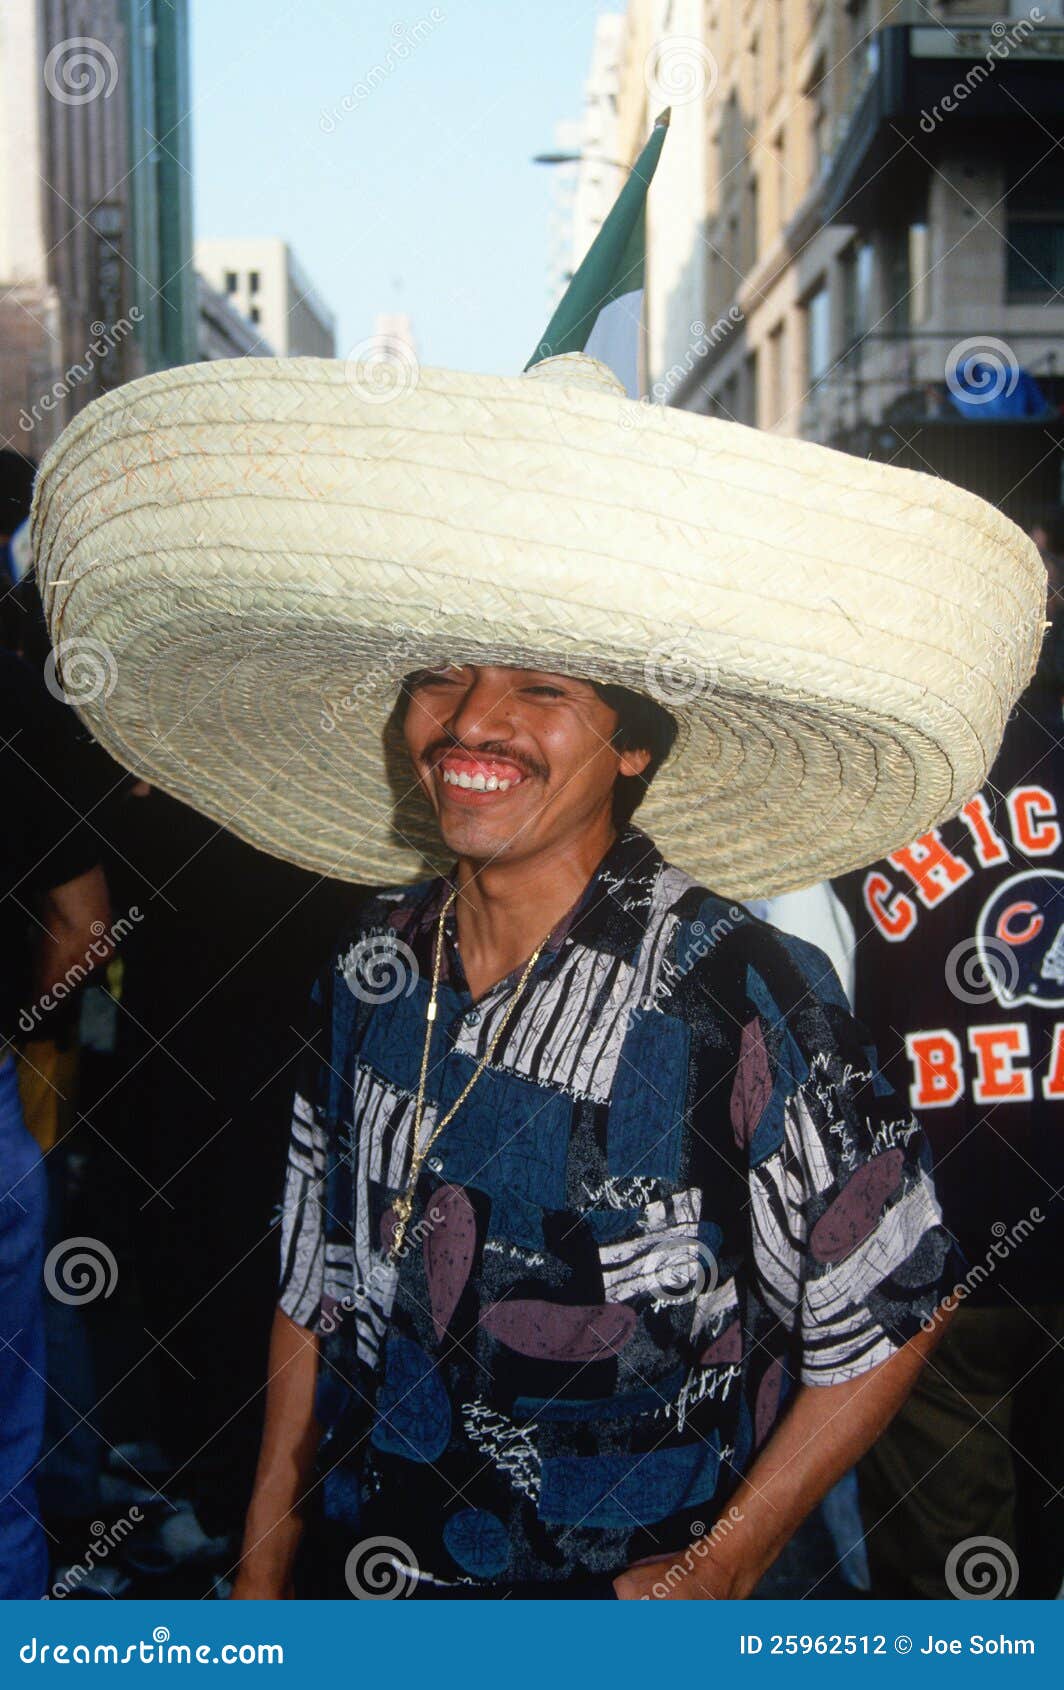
point(481, 834)
point(478, 840)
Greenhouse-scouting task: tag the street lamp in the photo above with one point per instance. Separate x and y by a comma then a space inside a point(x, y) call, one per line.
point(578, 158)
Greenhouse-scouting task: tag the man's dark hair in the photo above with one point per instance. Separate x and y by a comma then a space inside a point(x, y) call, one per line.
point(642, 725)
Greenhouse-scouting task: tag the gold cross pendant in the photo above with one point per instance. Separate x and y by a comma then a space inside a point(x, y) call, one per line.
point(402, 1208)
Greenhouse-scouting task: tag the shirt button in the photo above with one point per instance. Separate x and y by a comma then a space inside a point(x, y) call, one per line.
point(472, 1018)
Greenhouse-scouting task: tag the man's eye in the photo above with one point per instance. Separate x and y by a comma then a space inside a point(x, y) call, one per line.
point(545, 691)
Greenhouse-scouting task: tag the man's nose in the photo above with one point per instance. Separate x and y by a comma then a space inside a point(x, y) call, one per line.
point(483, 711)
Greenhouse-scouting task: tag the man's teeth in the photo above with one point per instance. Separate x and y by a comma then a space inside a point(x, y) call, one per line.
point(476, 783)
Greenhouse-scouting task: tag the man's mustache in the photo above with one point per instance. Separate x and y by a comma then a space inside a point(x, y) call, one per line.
point(489, 748)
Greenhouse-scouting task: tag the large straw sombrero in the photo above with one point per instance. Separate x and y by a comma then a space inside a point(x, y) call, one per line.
point(240, 561)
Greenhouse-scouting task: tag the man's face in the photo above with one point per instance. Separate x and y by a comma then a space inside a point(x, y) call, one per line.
point(512, 760)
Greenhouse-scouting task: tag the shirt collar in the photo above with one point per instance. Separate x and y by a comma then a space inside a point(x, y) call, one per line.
point(611, 914)
point(614, 911)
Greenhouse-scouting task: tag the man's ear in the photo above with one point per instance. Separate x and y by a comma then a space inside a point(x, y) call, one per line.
point(632, 762)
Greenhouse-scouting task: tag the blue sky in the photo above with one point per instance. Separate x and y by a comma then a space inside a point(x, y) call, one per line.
point(419, 196)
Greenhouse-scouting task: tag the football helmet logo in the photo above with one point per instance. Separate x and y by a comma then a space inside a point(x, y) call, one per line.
point(1020, 938)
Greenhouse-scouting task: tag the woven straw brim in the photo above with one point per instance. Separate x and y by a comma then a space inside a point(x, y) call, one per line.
point(239, 562)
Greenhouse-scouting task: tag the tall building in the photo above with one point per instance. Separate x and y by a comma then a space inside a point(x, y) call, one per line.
point(160, 103)
point(96, 284)
point(393, 334)
point(665, 63)
point(590, 170)
point(263, 280)
point(883, 205)
point(628, 84)
point(222, 331)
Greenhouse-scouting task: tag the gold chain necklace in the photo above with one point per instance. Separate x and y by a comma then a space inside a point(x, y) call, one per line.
point(404, 1205)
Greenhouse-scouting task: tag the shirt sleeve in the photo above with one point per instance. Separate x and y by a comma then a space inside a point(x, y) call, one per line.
point(849, 1242)
point(302, 1279)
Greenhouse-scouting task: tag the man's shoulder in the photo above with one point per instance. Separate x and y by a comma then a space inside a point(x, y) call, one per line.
point(379, 919)
point(390, 906)
point(743, 961)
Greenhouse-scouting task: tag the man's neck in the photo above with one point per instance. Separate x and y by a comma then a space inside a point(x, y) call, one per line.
point(505, 909)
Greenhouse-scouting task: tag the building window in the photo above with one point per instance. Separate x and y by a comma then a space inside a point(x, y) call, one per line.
point(732, 139)
point(819, 125)
point(1034, 230)
point(255, 314)
point(780, 173)
point(894, 250)
point(952, 9)
point(776, 374)
point(752, 243)
point(863, 51)
point(919, 274)
point(906, 275)
point(749, 400)
point(253, 281)
point(230, 281)
point(720, 286)
point(817, 334)
point(858, 262)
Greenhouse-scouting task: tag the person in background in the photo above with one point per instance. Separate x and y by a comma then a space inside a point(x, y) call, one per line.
point(216, 977)
point(16, 492)
point(218, 950)
point(53, 910)
point(48, 1051)
point(958, 972)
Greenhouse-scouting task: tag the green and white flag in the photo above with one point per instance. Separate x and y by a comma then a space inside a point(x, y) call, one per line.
point(601, 311)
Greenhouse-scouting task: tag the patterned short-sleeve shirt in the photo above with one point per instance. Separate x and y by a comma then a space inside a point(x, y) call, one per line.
point(680, 1187)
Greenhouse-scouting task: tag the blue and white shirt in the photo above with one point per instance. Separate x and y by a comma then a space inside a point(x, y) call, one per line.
point(680, 1187)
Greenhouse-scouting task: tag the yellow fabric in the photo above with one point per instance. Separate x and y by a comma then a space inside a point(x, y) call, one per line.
point(47, 1077)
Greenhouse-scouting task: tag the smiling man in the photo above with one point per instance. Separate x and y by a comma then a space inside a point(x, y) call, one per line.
point(599, 1217)
point(606, 1247)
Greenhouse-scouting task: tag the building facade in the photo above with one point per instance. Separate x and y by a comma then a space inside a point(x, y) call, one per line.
point(221, 330)
point(96, 283)
point(263, 280)
point(855, 199)
point(590, 169)
point(629, 82)
point(884, 204)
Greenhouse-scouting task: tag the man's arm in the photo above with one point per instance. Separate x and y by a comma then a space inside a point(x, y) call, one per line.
point(286, 1460)
point(76, 918)
point(825, 1430)
point(823, 1271)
